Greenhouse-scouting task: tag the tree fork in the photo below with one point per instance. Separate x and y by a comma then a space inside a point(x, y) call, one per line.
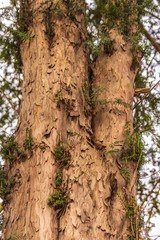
point(53, 104)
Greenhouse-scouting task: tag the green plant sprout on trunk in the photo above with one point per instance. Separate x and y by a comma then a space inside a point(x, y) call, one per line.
point(28, 143)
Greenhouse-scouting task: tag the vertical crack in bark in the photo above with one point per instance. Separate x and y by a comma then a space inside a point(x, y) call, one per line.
point(58, 226)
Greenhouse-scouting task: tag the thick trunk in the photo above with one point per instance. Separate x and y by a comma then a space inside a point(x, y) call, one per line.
point(54, 108)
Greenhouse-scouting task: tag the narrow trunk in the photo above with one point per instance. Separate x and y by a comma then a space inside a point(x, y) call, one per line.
point(54, 108)
point(115, 74)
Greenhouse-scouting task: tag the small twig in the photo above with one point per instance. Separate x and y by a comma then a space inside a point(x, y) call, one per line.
point(137, 221)
point(150, 214)
point(149, 194)
point(134, 178)
point(146, 94)
point(132, 228)
point(157, 237)
point(4, 95)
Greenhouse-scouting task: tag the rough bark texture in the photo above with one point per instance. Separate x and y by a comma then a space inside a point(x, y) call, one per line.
point(61, 64)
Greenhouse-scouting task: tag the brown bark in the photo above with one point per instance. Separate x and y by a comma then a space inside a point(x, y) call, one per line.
point(115, 74)
point(61, 64)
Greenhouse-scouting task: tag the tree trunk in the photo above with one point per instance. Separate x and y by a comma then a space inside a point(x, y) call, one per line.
point(55, 67)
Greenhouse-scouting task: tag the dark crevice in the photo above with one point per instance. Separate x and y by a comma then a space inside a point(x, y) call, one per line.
point(58, 226)
point(90, 76)
point(49, 24)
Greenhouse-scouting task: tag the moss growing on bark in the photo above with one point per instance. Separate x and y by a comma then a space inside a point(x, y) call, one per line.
point(61, 154)
point(11, 151)
point(5, 183)
point(59, 199)
point(28, 143)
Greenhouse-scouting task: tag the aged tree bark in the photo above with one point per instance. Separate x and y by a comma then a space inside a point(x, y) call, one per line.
point(54, 69)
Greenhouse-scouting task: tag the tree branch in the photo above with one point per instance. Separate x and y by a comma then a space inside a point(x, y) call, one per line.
point(150, 38)
point(152, 14)
point(11, 104)
point(146, 94)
